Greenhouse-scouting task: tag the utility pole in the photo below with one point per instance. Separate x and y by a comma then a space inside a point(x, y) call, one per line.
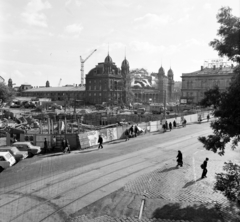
point(164, 102)
point(82, 66)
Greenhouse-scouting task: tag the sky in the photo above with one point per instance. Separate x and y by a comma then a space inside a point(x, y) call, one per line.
point(43, 40)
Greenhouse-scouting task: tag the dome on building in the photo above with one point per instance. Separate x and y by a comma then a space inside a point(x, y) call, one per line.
point(125, 62)
point(170, 72)
point(108, 59)
point(161, 71)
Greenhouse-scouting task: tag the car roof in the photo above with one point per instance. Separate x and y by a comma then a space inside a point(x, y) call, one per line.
point(21, 143)
point(8, 148)
point(3, 153)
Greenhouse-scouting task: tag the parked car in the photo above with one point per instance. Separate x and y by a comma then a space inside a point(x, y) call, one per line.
point(27, 146)
point(6, 160)
point(18, 155)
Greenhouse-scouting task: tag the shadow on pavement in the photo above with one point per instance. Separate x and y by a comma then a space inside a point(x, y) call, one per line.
point(116, 142)
point(56, 154)
point(190, 183)
point(88, 151)
point(167, 170)
point(198, 213)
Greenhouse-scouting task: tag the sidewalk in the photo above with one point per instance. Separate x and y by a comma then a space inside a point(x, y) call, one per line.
point(172, 194)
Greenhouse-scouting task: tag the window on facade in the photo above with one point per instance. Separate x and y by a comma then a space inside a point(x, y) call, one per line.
point(94, 94)
point(89, 94)
point(100, 94)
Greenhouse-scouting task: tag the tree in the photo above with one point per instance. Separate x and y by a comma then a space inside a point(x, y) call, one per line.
point(229, 31)
point(211, 97)
point(6, 93)
point(226, 127)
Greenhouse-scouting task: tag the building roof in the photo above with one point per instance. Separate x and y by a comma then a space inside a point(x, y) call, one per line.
point(210, 71)
point(56, 89)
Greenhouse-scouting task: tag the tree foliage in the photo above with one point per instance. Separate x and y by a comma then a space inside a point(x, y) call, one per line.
point(6, 93)
point(211, 97)
point(229, 33)
point(226, 126)
point(229, 182)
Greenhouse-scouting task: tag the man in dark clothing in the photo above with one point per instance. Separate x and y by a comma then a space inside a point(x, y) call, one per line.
point(174, 124)
point(127, 134)
point(208, 117)
point(131, 131)
point(204, 167)
point(135, 130)
point(100, 141)
point(170, 126)
point(166, 125)
point(179, 159)
point(45, 145)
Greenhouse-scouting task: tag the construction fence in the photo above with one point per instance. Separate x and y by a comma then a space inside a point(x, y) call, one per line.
point(90, 139)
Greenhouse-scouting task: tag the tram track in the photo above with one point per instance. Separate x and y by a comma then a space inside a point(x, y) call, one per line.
point(91, 181)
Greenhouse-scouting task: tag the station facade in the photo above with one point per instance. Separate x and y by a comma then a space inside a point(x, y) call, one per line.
point(108, 83)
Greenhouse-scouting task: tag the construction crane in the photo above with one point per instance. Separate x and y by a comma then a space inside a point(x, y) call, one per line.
point(59, 83)
point(82, 66)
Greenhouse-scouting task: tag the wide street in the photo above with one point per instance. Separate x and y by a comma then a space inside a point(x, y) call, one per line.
point(57, 187)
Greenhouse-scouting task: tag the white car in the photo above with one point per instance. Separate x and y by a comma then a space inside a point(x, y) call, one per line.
point(6, 160)
point(27, 146)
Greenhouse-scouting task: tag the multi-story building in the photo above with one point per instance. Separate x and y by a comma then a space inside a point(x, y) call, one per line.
point(194, 84)
point(154, 88)
point(57, 93)
point(107, 83)
point(104, 83)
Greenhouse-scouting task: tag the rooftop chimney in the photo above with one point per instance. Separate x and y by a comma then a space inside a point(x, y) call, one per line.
point(214, 67)
point(201, 67)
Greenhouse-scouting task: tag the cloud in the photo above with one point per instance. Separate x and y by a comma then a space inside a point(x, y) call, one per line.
point(74, 29)
point(152, 20)
point(18, 74)
point(68, 2)
point(37, 73)
point(32, 14)
point(146, 47)
point(3, 74)
point(207, 6)
point(184, 18)
point(78, 3)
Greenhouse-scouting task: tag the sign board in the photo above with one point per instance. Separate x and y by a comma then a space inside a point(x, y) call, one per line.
point(183, 101)
point(88, 139)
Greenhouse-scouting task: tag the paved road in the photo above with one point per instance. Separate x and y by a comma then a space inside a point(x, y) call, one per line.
point(54, 187)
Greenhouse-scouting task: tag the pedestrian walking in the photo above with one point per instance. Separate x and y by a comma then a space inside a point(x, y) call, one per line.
point(174, 124)
point(204, 167)
point(131, 131)
point(127, 134)
point(185, 122)
point(170, 126)
point(45, 145)
point(67, 147)
point(208, 117)
point(166, 125)
point(135, 131)
point(100, 141)
point(63, 145)
point(179, 159)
